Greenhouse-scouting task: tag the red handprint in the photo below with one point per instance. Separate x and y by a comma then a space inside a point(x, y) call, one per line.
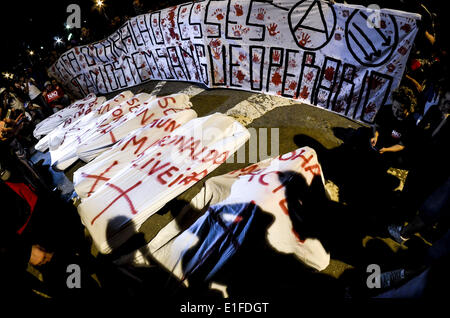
point(239, 75)
point(376, 82)
point(391, 67)
point(256, 59)
point(305, 39)
point(242, 57)
point(370, 108)
point(276, 56)
point(402, 50)
point(272, 28)
point(216, 52)
point(340, 106)
point(276, 78)
point(292, 63)
point(238, 30)
point(292, 85)
point(406, 27)
point(304, 93)
point(261, 14)
point(215, 43)
point(329, 73)
point(197, 8)
point(238, 10)
point(219, 15)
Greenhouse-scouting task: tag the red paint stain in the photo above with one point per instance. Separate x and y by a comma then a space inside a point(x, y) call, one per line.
point(276, 78)
point(304, 93)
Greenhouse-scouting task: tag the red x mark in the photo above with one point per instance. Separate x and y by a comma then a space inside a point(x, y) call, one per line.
point(122, 194)
point(98, 178)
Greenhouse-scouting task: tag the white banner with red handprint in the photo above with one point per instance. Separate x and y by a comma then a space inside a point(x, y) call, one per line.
point(340, 57)
point(170, 166)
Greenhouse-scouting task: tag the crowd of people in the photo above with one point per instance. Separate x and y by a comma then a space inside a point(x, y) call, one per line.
point(410, 134)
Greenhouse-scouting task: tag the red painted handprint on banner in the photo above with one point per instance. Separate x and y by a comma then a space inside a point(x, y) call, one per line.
point(238, 10)
point(272, 28)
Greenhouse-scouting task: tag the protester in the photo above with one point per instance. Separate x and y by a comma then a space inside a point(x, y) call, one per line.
point(35, 94)
point(55, 97)
point(138, 7)
point(85, 36)
point(429, 149)
point(430, 212)
point(394, 127)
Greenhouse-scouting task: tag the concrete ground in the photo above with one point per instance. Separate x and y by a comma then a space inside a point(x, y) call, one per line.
point(269, 115)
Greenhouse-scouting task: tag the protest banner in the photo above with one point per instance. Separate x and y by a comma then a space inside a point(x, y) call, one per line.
point(343, 58)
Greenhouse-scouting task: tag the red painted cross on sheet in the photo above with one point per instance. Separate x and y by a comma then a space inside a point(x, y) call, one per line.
point(99, 177)
point(123, 194)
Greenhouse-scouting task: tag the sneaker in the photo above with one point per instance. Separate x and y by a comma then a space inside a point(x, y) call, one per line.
point(395, 232)
point(390, 279)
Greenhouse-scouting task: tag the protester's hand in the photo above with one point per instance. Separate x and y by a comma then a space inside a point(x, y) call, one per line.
point(373, 141)
point(382, 150)
point(39, 256)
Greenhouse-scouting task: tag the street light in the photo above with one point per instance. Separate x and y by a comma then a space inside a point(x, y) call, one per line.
point(100, 5)
point(31, 52)
point(58, 40)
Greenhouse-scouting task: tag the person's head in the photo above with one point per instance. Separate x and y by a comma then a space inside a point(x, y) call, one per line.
point(54, 82)
point(48, 85)
point(115, 21)
point(404, 102)
point(85, 32)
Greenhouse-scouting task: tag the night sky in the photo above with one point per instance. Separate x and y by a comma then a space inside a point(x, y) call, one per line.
point(32, 24)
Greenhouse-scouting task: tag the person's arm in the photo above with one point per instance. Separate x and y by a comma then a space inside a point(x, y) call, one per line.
point(374, 139)
point(394, 148)
point(39, 256)
point(416, 83)
point(431, 38)
point(26, 90)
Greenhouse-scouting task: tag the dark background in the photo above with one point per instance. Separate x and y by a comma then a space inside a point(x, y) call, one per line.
point(30, 25)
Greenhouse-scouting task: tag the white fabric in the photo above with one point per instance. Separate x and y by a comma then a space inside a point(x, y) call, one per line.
point(113, 161)
point(138, 116)
point(47, 125)
point(33, 91)
point(259, 184)
point(69, 137)
point(158, 175)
